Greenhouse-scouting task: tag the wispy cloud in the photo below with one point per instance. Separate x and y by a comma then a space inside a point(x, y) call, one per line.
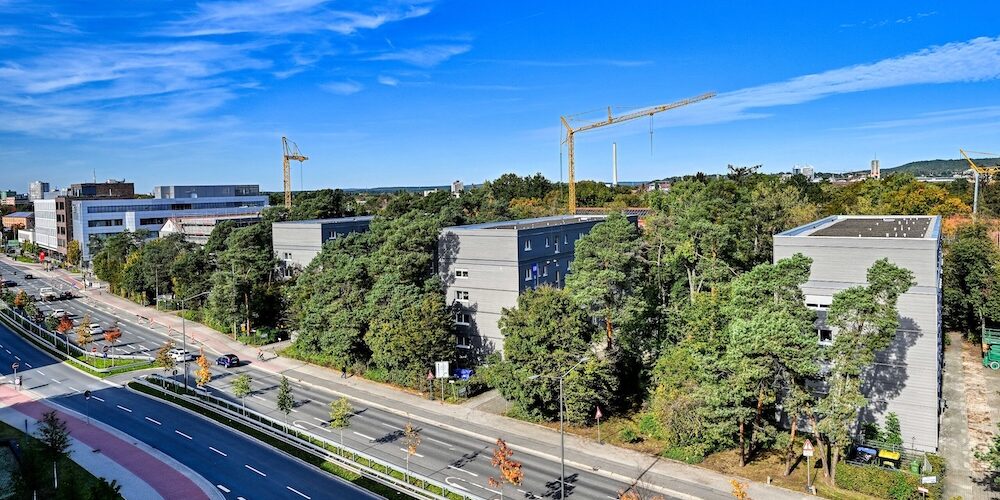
point(871, 24)
point(937, 118)
point(346, 87)
point(388, 80)
point(573, 63)
point(424, 57)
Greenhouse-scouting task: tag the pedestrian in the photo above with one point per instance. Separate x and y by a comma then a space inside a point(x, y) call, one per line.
point(260, 354)
point(343, 371)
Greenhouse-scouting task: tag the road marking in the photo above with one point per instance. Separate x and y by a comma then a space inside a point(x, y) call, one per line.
point(390, 426)
point(8, 351)
point(319, 419)
point(473, 474)
point(255, 470)
point(223, 488)
point(126, 409)
point(258, 397)
point(415, 454)
point(294, 410)
point(364, 436)
point(450, 447)
point(17, 358)
point(74, 389)
point(28, 365)
point(182, 434)
point(153, 421)
point(39, 371)
point(56, 381)
point(217, 451)
point(98, 398)
point(303, 495)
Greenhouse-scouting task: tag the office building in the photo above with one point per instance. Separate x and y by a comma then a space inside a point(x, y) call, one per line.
point(197, 229)
point(109, 189)
point(876, 172)
point(906, 377)
point(54, 213)
point(221, 191)
point(805, 170)
point(18, 220)
point(456, 188)
point(485, 267)
point(37, 190)
point(296, 243)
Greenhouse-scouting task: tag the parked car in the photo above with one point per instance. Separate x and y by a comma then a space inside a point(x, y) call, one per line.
point(9, 283)
point(59, 313)
point(228, 361)
point(48, 293)
point(96, 329)
point(180, 355)
point(29, 276)
point(66, 295)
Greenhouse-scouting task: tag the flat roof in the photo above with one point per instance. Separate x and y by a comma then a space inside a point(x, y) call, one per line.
point(341, 220)
point(554, 220)
point(20, 214)
point(871, 226)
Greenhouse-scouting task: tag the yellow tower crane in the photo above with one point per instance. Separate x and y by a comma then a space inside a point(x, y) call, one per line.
point(978, 170)
point(570, 132)
point(290, 152)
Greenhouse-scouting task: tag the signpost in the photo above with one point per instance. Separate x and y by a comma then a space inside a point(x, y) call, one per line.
point(430, 383)
point(86, 394)
point(807, 451)
point(598, 417)
point(14, 365)
point(442, 372)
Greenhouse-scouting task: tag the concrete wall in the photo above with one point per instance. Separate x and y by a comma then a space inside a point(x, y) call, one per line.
point(45, 224)
point(297, 243)
point(906, 378)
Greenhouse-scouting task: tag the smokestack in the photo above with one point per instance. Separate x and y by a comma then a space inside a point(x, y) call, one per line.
point(614, 163)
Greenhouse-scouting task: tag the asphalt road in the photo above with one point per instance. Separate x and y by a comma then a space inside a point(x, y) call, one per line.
point(459, 460)
point(240, 467)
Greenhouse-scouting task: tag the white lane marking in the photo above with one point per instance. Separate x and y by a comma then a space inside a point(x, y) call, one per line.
point(258, 397)
point(240, 498)
point(39, 372)
point(8, 351)
point(153, 421)
point(255, 470)
point(415, 454)
point(450, 447)
point(319, 419)
point(17, 358)
point(473, 474)
point(126, 409)
point(303, 495)
point(56, 381)
point(390, 426)
point(217, 451)
point(294, 410)
point(364, 436)
point(182, 434)
point(74, 389)
point(223, 488)
point(98, 398)
point(28, 365)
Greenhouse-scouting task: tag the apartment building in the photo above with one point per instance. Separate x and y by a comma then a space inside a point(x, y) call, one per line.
point(906, 377)
point(296, 243)
point(485, 267)
point(218, 191)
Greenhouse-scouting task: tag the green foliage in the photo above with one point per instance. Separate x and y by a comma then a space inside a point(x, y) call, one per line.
point(992, 456)
point(887, 483)
point(242, 385)
point(53, 434)
point(285, 400)
point(73, 252)
point(971, 280)
point(893, 434)
point(340, 413)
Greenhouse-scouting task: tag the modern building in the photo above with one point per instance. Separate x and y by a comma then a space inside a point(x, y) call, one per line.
point(456, 188)
point(18, 220)
point(54, 213)
point(296, 243)
point(221, 191)
point(109, 189)
point(485, 267)
point(37, 190)
point(876, 172)
point(197, 229)
point(906, 377)
point(96, 219)
point(806, 170)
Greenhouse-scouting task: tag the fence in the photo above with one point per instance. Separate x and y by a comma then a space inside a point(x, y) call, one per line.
point(356, 461)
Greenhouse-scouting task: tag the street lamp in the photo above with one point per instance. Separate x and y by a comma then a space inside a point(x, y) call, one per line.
point(184, 334)
point(562, 432)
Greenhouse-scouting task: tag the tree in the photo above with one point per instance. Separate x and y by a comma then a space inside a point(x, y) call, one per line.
point(510, 469)
point(111, 336)
point(242, 388)
point(73, 252)
point(971, 280)
point(163, 357)
point(21, 299)
point(203, 375)
point(411, 440)
point(105, 489)
point(286, 401)
point(340, 413)
point(65, 324)
point(83, 335)
point(992, 456)
point(893, 434)
point(53, 434)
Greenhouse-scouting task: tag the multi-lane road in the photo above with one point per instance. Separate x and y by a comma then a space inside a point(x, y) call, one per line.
point(460, 460)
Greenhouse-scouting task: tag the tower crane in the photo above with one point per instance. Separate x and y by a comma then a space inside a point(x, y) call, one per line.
point(612, 120)
point(290, 152)
point(978, 170)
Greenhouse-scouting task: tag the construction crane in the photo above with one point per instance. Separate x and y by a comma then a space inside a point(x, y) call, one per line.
point(978, 170)
point(612, 120)
point(291, 152)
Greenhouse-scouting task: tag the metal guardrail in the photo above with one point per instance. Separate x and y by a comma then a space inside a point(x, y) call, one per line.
point(59, 343)
point(342, 455)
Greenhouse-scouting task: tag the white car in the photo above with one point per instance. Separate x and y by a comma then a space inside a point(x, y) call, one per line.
point(96, 329)
point(59, 313)
point(180, 355)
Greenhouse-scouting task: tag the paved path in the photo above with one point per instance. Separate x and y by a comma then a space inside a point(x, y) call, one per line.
point(955, 447)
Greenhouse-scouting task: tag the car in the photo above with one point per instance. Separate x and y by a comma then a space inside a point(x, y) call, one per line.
point(48, 293)
point(180, 355)
point(59, 313)
point(228, 361)
point(96, 329)
point(9, 283)
point(29, 276)
point(66, 295)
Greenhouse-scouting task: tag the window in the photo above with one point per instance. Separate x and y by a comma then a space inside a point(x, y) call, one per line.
point(545, 270)
point(565, 240)
point(105, 223)
point(464, 342)
point(461, 295)
point(153, 220)
point(463, 318)
point(825, 336)
point(527, 245)
point(558, 277)
point(546, 242)
point(288, 255)
point(557, 246)
point(527, 274)
point(461, 273)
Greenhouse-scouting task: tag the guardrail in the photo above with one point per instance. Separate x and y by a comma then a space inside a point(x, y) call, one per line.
point(344, 456)
point(60, 343)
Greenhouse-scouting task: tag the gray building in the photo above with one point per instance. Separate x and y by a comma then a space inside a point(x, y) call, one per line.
point(214, 191)
point(906, 377)
point(296, 243)
point(198, 229)
point(485, 267)
point(37, 190)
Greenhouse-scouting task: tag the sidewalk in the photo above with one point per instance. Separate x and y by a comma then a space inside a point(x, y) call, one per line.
point(105, 452)
point(618, 463)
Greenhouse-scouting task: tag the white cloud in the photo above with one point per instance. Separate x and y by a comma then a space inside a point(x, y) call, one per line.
point(346, 87)
point(937, 118)
point(425, 57)
point(388, 80)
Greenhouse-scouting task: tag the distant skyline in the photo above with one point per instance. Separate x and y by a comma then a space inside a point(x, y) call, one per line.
point(402, 93)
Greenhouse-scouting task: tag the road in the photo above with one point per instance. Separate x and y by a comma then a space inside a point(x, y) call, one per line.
point(239, 466)
point(444, 455)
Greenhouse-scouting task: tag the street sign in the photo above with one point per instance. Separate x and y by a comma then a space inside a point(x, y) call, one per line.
point(441, 369)
point(14, 366)
point(928, 480)
point(807, 448)
point(923, 490)
point(430, 376)
point(598, 415)
point(106, 348)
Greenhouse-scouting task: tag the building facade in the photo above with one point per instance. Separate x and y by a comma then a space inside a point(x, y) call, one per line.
point(108, 189)
point(220, 191)
point(296, 243)
point(485, 267)
point(37, 190)
point(198, 229)
point(18, 220)
point(94, 220)
point(54, 213)
point(906, 377)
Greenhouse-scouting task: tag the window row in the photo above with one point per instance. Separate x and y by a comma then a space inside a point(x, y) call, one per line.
point(550, 241)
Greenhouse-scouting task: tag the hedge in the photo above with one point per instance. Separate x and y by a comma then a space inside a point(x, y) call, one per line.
point(888, 483)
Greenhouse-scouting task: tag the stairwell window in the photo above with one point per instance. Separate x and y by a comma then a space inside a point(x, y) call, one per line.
point(462, 295)
point(527, 245)
point(546, 242)
point(825, 336)
point(527, 275)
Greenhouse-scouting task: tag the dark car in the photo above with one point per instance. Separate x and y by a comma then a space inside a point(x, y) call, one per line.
point(9, 283)
point(227, 360)
point(29, 276)
point(66, 295)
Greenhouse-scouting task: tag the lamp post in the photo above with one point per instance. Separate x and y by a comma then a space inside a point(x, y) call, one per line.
point(562, 432)
point(184, 333)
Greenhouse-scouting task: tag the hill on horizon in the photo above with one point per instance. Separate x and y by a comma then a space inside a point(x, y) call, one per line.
point(940, 168)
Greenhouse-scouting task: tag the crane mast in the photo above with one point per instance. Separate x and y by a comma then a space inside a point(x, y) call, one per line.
point(978, 170)
point(290, 151)
point(612, 120)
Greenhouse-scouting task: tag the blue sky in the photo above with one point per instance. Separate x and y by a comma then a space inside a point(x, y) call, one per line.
point(415, 93)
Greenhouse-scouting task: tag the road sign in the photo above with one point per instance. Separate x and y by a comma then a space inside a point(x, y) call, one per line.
point(86, 394)
point(923, 490)
point(807, 448)
point(598, 414)
point(441, 369)
point(928, 480)
point(430, 376)
point(14, 366)
point(106, 348)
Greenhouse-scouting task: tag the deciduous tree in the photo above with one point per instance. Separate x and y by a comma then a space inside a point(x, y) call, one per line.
point(510, 469)
point(411, 440)
point(242, 388)
point(83, 335)
point(286, 400)
point(203, 375)
point(163, 357)
point(340, 413)
point(52, 432)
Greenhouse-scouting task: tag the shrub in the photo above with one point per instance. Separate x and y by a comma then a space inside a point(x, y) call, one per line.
point(887, 483)
point(628, 434)
point(689, 454)
point(649, 426)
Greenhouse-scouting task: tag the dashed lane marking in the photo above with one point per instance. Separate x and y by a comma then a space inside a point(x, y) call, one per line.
point(98, 398)
point(74, 389)
point(40, 372)
point(473, 474)
point(17, 357)
point(153, 421)
point(299, 493)
point(126, 409)
point(28, 365)
point(217, 451)
point(56, 381)
point(255, 470)
point(364, 436)
point(223, 488)
point(415, 454)
point(182, 434)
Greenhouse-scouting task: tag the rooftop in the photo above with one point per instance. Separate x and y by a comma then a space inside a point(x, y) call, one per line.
point(341, 220)
point(871, 226)
point(20, 214)
point(555, 220)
